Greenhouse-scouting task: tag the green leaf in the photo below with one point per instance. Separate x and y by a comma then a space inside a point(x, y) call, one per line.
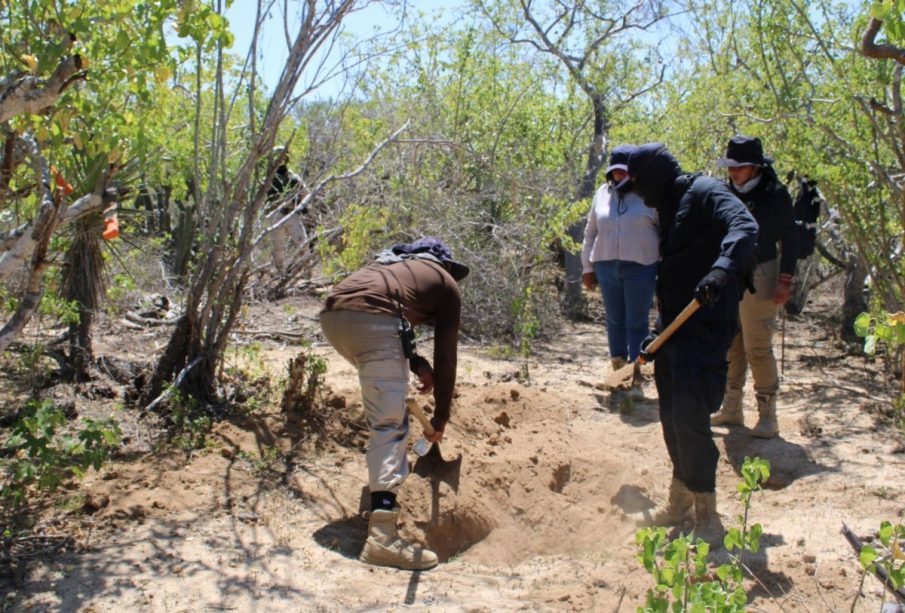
point(862, 324)
point(884, 332)
point(867, 556)
point(900, 334)
point(879, 10)
point(885, 533)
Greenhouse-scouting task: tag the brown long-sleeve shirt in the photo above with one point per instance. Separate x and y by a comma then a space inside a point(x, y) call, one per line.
point(425, 291)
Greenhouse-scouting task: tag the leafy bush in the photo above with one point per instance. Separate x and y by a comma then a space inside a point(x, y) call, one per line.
point(679, 566)
point(42, 456)
point(892, 560)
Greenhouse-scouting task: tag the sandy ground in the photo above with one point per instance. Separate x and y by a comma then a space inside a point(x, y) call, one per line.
point(529, 512)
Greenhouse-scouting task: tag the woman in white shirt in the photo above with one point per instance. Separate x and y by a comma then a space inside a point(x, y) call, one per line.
point(620, 252)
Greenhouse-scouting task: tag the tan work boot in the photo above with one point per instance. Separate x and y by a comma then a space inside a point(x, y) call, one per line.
point(708, 524)
point(618, 363)
point(677, 511)
point(384, 547)
point(731, 412)
point(767, 425)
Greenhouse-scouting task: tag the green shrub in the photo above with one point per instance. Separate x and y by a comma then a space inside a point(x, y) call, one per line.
point(42, 456)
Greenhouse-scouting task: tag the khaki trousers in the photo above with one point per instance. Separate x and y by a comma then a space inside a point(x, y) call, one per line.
point(370, 342)
point(753, 345)
point(293, 230)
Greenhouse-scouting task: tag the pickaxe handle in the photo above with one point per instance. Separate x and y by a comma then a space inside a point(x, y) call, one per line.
point(415, 410)
point(676, 323)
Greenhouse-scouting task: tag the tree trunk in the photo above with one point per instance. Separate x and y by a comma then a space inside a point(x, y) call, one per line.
point(853, 297)
point(574, 302)
point(81, 351)
point(172, 361)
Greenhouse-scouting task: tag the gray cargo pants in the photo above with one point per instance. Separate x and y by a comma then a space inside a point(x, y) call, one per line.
point(370, 342)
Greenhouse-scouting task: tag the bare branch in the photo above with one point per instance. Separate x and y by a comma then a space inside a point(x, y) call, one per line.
point(29, 94)
point(331, 179)
point(884, 51)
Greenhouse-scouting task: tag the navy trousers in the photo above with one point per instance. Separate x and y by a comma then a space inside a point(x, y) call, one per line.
point(690, 371)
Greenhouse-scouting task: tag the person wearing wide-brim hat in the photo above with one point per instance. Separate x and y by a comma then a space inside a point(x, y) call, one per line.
point(620, 252)
point(753, 179)
point(365, 318)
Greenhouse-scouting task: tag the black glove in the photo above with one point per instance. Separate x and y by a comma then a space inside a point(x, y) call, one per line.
point(709, 288)
point(644, 355)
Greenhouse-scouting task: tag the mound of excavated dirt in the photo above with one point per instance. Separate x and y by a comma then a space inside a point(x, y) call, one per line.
point(527, 506)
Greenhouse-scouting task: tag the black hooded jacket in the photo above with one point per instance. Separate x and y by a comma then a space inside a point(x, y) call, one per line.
point(703, 225)
point(771, 205)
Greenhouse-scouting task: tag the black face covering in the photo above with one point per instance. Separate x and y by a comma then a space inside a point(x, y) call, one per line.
point(654, 173)
point(623, 187)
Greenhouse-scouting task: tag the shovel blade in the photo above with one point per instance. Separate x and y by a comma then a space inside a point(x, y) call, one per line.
point(621, 378)
point(432, 466)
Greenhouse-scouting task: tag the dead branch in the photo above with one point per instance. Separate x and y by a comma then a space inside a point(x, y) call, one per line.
point(43, 228)
point(26, 93)
point(328, 180)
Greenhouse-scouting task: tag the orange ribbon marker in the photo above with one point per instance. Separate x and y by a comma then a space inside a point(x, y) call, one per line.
point(111, 223)
point(61, 181)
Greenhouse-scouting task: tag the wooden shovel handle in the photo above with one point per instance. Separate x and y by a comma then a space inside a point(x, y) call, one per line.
point(415, 410)
point(680, 319)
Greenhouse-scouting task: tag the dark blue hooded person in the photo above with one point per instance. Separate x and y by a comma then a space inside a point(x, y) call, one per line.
point(707, 240)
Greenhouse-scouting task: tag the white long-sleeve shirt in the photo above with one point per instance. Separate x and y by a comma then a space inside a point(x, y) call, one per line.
point(619, 227)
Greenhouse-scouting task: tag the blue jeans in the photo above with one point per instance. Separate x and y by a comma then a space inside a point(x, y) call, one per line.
point(628, 289)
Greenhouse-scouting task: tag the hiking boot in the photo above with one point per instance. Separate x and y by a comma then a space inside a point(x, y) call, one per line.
point(677, 511)
point(767, 425)
point(384, 547)
point(636, 393)
point(731, 412)
point(618, 363)
point(708, 525)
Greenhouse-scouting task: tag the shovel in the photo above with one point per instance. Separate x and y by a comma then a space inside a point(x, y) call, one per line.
point(624, 377)
point(420, 446)
point(430, 463)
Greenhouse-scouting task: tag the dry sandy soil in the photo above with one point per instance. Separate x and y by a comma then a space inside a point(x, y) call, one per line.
point(530, 512)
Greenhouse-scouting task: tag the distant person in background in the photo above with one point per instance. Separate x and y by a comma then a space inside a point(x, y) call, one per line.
point(285, 193)
point(753, 180)
point(620, 252)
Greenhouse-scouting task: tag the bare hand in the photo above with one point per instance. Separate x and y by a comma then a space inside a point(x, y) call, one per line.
point(589, 280)
point(436, 437)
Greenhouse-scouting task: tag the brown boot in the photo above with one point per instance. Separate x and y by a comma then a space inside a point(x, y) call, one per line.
point(708, 524)
point(384, 547)
point(617, 363)
point(767, 425)
point(731, 412)
point(677, 511)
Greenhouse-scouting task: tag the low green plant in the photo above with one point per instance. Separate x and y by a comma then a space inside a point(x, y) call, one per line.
point(679, 566)
point(42, 456)
point(190, 423)
point(263, 463)
point(304, 383)
point(890, 329)
point(890, 558)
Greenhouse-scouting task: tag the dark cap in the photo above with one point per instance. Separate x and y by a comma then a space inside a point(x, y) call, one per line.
point(744, 151)
point(619, 158)
point(438, 249)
